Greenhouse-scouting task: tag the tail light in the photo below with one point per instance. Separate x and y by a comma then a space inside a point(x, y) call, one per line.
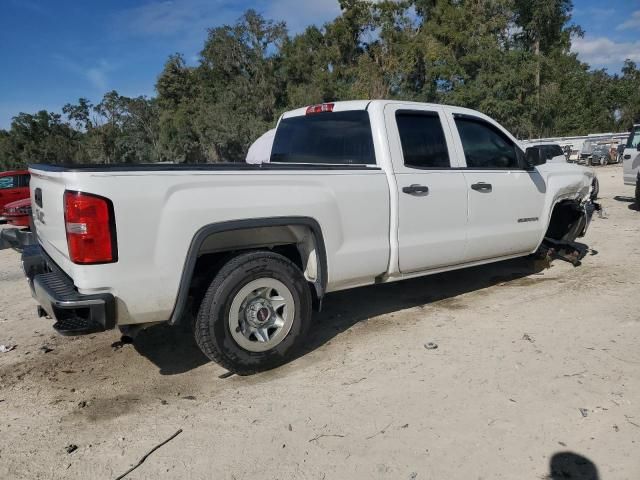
point(321, 108)
point(90, 227)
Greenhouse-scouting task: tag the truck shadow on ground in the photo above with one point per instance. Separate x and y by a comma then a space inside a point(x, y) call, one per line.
point(342, 310)
point(174, 351)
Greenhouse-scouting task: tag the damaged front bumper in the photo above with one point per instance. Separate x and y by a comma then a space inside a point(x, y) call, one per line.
point(589, 208)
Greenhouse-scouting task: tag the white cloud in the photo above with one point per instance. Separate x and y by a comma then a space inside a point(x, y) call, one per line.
point(166, 17)
point(97, 77)
point(96, 74)
point(604, 52)
point(632, 23)
point(299, 15)
point(192, 17)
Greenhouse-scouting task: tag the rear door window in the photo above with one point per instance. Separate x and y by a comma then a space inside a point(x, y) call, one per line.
point(342, 138)
point(485, 146)
point(423, 141)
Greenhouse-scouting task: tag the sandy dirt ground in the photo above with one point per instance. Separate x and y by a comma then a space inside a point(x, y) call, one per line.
point(534, 363)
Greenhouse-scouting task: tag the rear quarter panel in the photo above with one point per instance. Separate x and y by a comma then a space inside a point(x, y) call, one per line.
point(157, 215)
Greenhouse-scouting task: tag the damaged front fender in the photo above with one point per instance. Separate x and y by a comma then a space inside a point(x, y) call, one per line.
point(570, 219)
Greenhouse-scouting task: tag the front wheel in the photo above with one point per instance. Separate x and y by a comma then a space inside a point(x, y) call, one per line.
point(255, 313)
point(638, 193)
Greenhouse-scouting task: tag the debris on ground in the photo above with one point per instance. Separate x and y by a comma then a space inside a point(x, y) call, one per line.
point(380, 432)
point(430, 346)
point(124, 340)
point(528, 338)
point(71, 448)
point(46, 349)
point(149, 453)
point(325, 435)
point(6, 348)
point(584, 412)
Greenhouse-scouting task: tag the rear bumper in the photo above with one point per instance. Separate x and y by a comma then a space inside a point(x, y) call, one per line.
point(58, 298)
point(16, 238)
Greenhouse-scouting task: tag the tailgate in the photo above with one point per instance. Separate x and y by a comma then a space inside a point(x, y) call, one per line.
point(47, 201)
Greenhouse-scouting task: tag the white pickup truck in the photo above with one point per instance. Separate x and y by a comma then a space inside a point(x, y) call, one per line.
point(631, 161)
point(356, 193)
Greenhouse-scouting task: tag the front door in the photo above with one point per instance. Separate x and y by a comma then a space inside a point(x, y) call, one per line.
point(432, 199)
point(505, 198)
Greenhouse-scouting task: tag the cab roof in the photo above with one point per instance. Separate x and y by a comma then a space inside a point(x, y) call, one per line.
point(349, 105)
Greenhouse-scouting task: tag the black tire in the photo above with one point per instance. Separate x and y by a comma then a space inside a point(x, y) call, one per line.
point(638, 193)
point(212, 331)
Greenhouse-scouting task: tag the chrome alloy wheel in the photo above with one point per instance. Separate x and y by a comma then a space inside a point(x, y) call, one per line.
point(261, 314)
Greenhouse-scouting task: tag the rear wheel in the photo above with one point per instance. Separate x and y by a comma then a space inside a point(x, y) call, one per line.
point(638, 193)
point(255, 313)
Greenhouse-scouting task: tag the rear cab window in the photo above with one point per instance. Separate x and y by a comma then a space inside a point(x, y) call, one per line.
point(486, 146)
point(337, 138)
point(14, 181)
point(6, 182)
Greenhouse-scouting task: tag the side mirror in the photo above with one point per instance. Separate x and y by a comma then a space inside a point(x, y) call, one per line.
point(535, 156)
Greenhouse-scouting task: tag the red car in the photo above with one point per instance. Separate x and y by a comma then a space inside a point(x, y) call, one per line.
point(17, 213)
point(13, 186)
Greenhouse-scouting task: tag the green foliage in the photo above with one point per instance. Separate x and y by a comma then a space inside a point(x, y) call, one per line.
point(508, 58)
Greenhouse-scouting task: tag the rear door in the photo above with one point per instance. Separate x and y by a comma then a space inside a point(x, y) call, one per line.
point(432, 199)
point(13, 187)
point(505, 198)
point(631, 157)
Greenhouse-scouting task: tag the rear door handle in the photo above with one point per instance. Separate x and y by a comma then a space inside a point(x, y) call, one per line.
point(627, 157)
point(482, 187)
point(415, 189)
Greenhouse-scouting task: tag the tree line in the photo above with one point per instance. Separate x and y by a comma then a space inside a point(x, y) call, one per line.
point(510, 59)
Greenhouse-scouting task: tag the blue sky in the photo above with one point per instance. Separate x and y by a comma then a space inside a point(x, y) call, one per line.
point(55, 51)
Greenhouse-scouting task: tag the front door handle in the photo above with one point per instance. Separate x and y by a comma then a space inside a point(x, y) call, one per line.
point(627, 157)
point(415, 189)
point(482, 187)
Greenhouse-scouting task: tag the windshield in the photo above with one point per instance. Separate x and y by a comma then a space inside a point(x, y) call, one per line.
point(333, 138)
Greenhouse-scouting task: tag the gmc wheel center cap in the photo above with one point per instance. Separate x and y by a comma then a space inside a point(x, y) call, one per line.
point(263, 314)
point(258, 313)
